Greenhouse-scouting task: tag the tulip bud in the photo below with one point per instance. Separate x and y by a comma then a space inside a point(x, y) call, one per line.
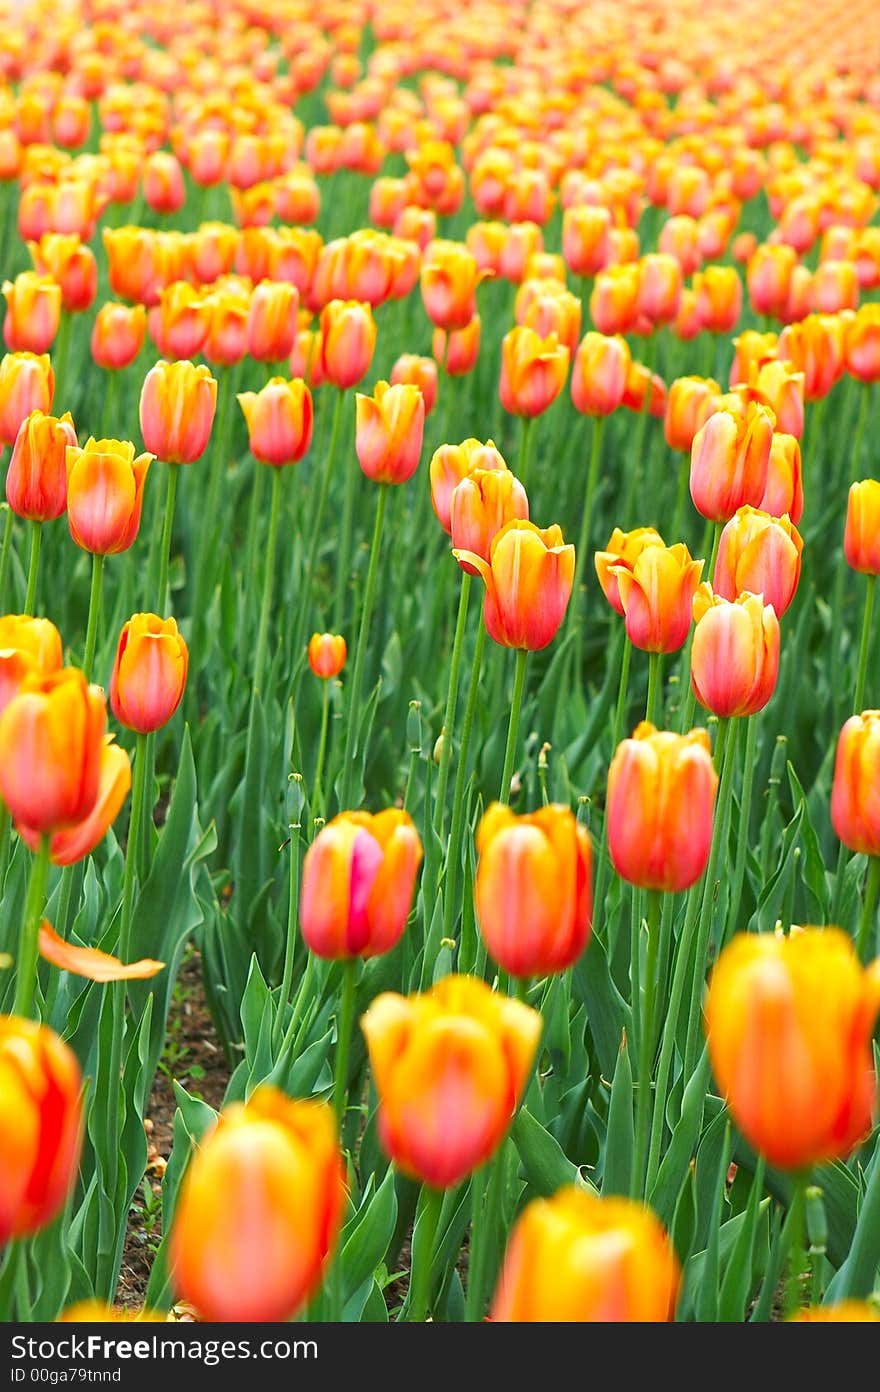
point(260, 1209)
point(862, 344)
point(33, 312)
point(599, 374)
point(36, 481)
point(861, 543)
point(358, 880)
point(51, 735)
point(452, 463)
point(27, 646)
point(528, 579)
point(483, 503)
point(178, 324)
point(660, 286)
point(27, 384)
point(348, 338)
point(149, 673)
point(585, 243)
point(388, 432)
point(614, 299)
point(735, 653)
point(327, 653)
point(450, 1067)
point(534, 894)
point(768, 276)
point(657, 596)
point(412, 370)
point(177, 407)
point(533, 371)
point(449, 279)
point(458, 349)
point(854, 811)
point(718, 291)
point(272, 323)
point(624, 549)
point(729, 461)
point(279, 421)
point(105, 493)
point(760, 554)
point(118, 334)
point(689, 404)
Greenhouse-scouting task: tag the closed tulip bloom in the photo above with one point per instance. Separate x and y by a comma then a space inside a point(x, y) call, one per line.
point(27, 384)
point(862, 344)
point(660, 286)
point(73, 843)
point(623, 549)
point(71, 264)
point(614, 302)
point(51, 736)
point(644, 390)
point(533, 371)
point(690, 402)
point(558, 312)
point(260, 1209)
point(782, 388)
point(761, 554)
point(450, 464)
point(861, 542)
point(816, 347)
point(783, 490)
point(359, 876)
point(178, 324)
point(149, 673)
point(388, 432)
point(449, 278)
point(164, 189)
point(33, 312)
point(585, 243)
point(457, 349)
point(177, 407)
point(279, 421)
point(528, 579)
point(661, 792)
point(105, 494)
point(789, 1023)
point(418, 372)
point(348, 338)
point(27, 646)
point(327, 653)
point(534, 890)
point(450, 1067)
point(750, 350)
point(854, 811)
point(768, 277)
point(118, 334)
point(835, 286)
point(729, 460)
point(484, 502)
point(578, 1258)
point(735, 653)
point(272, 323)
point(718, 291)
point(657, 595)
point(36, 481)
point(599, 374)
point(679, 237)
point(40, 1125)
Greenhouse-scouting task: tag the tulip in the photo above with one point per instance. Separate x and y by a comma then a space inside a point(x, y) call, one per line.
point(557, 312)
point(861, 543)
point(27, 646)
point(862, 344)
point(689, 404)
point(260, 1209)
point(358, 881)
point(33, 312)
point(614, 299)
point(783, 490)
point(226, 340)
point(272, 323)
point(327, 653)
point(576, 1257)
point(450, 1067)
point(51, 736)
point(789, 1023)
point(118, 334)
point(149, 673)
point(36, 481)
point(752, 349)
point(835, 286)
point(348, 338)
point(74, 843)
point(844, 1312)
point(760, 554)
point(164, 189)
point(449, 278)
point(585, 244)
point(729, 460)
point(71, 264)
point(661, 792)
point(854, 811)
point(459, 349)
point(27, 384)
point(815, 347)
point(644, 390)
point(528, 579)
point(768, 277)
point(624, 549)
point(533, 371)
point(177, 407)
point(388, 432)
point(179, 322)
point(657, 596)
point(40, 1125)
point(105, 493)
point(599, 374)
point(660, 286)
point(279, 421)
point(452, 463)
point(718, 291)
point(782, 389)
point(412, 370)
point(534, 895)
point(484, 502)
point(735, 653)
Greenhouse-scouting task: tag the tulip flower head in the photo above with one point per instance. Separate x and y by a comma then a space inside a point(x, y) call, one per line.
point(528, 579)
point(327, 653)
point(657, 595)
point(452, 463)
point(149, 673)
point(389, 428)
point(484, 502)
point(735, 653)
point(27, 384)
point(177, 406)
point(51, 736)
point(861, 543)
point(623, 549)
point(36, 481)
point(533, 371)
point(729, 460)
point(105, 494)
point(759, 554)
point(279, 419)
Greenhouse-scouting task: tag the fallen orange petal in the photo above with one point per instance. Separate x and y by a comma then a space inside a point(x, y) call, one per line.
point(89, 962)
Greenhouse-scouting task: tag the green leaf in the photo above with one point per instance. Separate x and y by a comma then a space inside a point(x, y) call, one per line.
point(619, 1141)
point(367, 1235)
point(545, 1166)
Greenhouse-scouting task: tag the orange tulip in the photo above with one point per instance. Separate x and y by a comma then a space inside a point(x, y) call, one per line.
point(578, 1258)
point(36, 481)
point(149, 673)
point(644, 386)
point(862, 344)
point(164, 189)
point(211, 251)
point(599, 374)
point(782, 389)
point(40, 1125)
point(768, 277)
point(484, 502)
point(660, 286)
point(226, 340)
point(452, 463)
point(27, 384)
point(861, 543)
point(105, 494)
point(359, 875)
point(729, 460)
point(528, 579)
point(661, 792)
point(585, 244)
point(51, 735)
point(657, 595)
point(534, 892)
point(835, 286)
point(718, 291)
point(279, 421)
point(624, 549)
point(178, 324)
point(348, 338)
point(327, 653)
point(118, 334)
point(533, 371)
point(449, 278)
point(557, 312)
point(260, 1209)
point(752, 349)
point(450, 1067)
point(854, 811)
point(783, 490)
point(459, 349)
point(761, 554)
point(33, 312)
point(845, 1312)
point(735, 653)
point(139, 263)
point(789, 1022)
point(614, 302)
point(272, 323)
point(27, 646)
point(412, 370)
point(815, 347)
point(388, 432)
point(689, 403)
point(177, 407)
point(74, 843)
point(71, 264)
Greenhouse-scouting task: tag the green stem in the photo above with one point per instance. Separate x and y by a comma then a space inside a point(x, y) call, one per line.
point(655, 661)
point(28, 942)
point(602, 858)
point(420, 1278)
point(448, 731)
point(107, 421)
point(317, 529)
point(94, 611)
point(290, 943)
point(519, 680)
point(794, 1231)
point(268, 580)
point(646, 1045)
point(361, 651)
point(682, 493)
point(352, 475)
point(584, 538)
point(303, 995)
point(318, 793)
point(22, 1285)
point(343, 1036)
point(865, 643)
point(484, 1231)
point(36, 530)
point(745, 811)
point(60, 355)
point(860, 430)
point(869, 908)
point(5, 555)
point(522, 468)
point(459, 801)
point(219, 456)
point(5, 842)
point(164, 559)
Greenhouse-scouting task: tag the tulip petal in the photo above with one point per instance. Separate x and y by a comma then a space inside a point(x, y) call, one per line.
point(90, 962)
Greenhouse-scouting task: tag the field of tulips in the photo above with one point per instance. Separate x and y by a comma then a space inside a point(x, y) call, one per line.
point(437, 615)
